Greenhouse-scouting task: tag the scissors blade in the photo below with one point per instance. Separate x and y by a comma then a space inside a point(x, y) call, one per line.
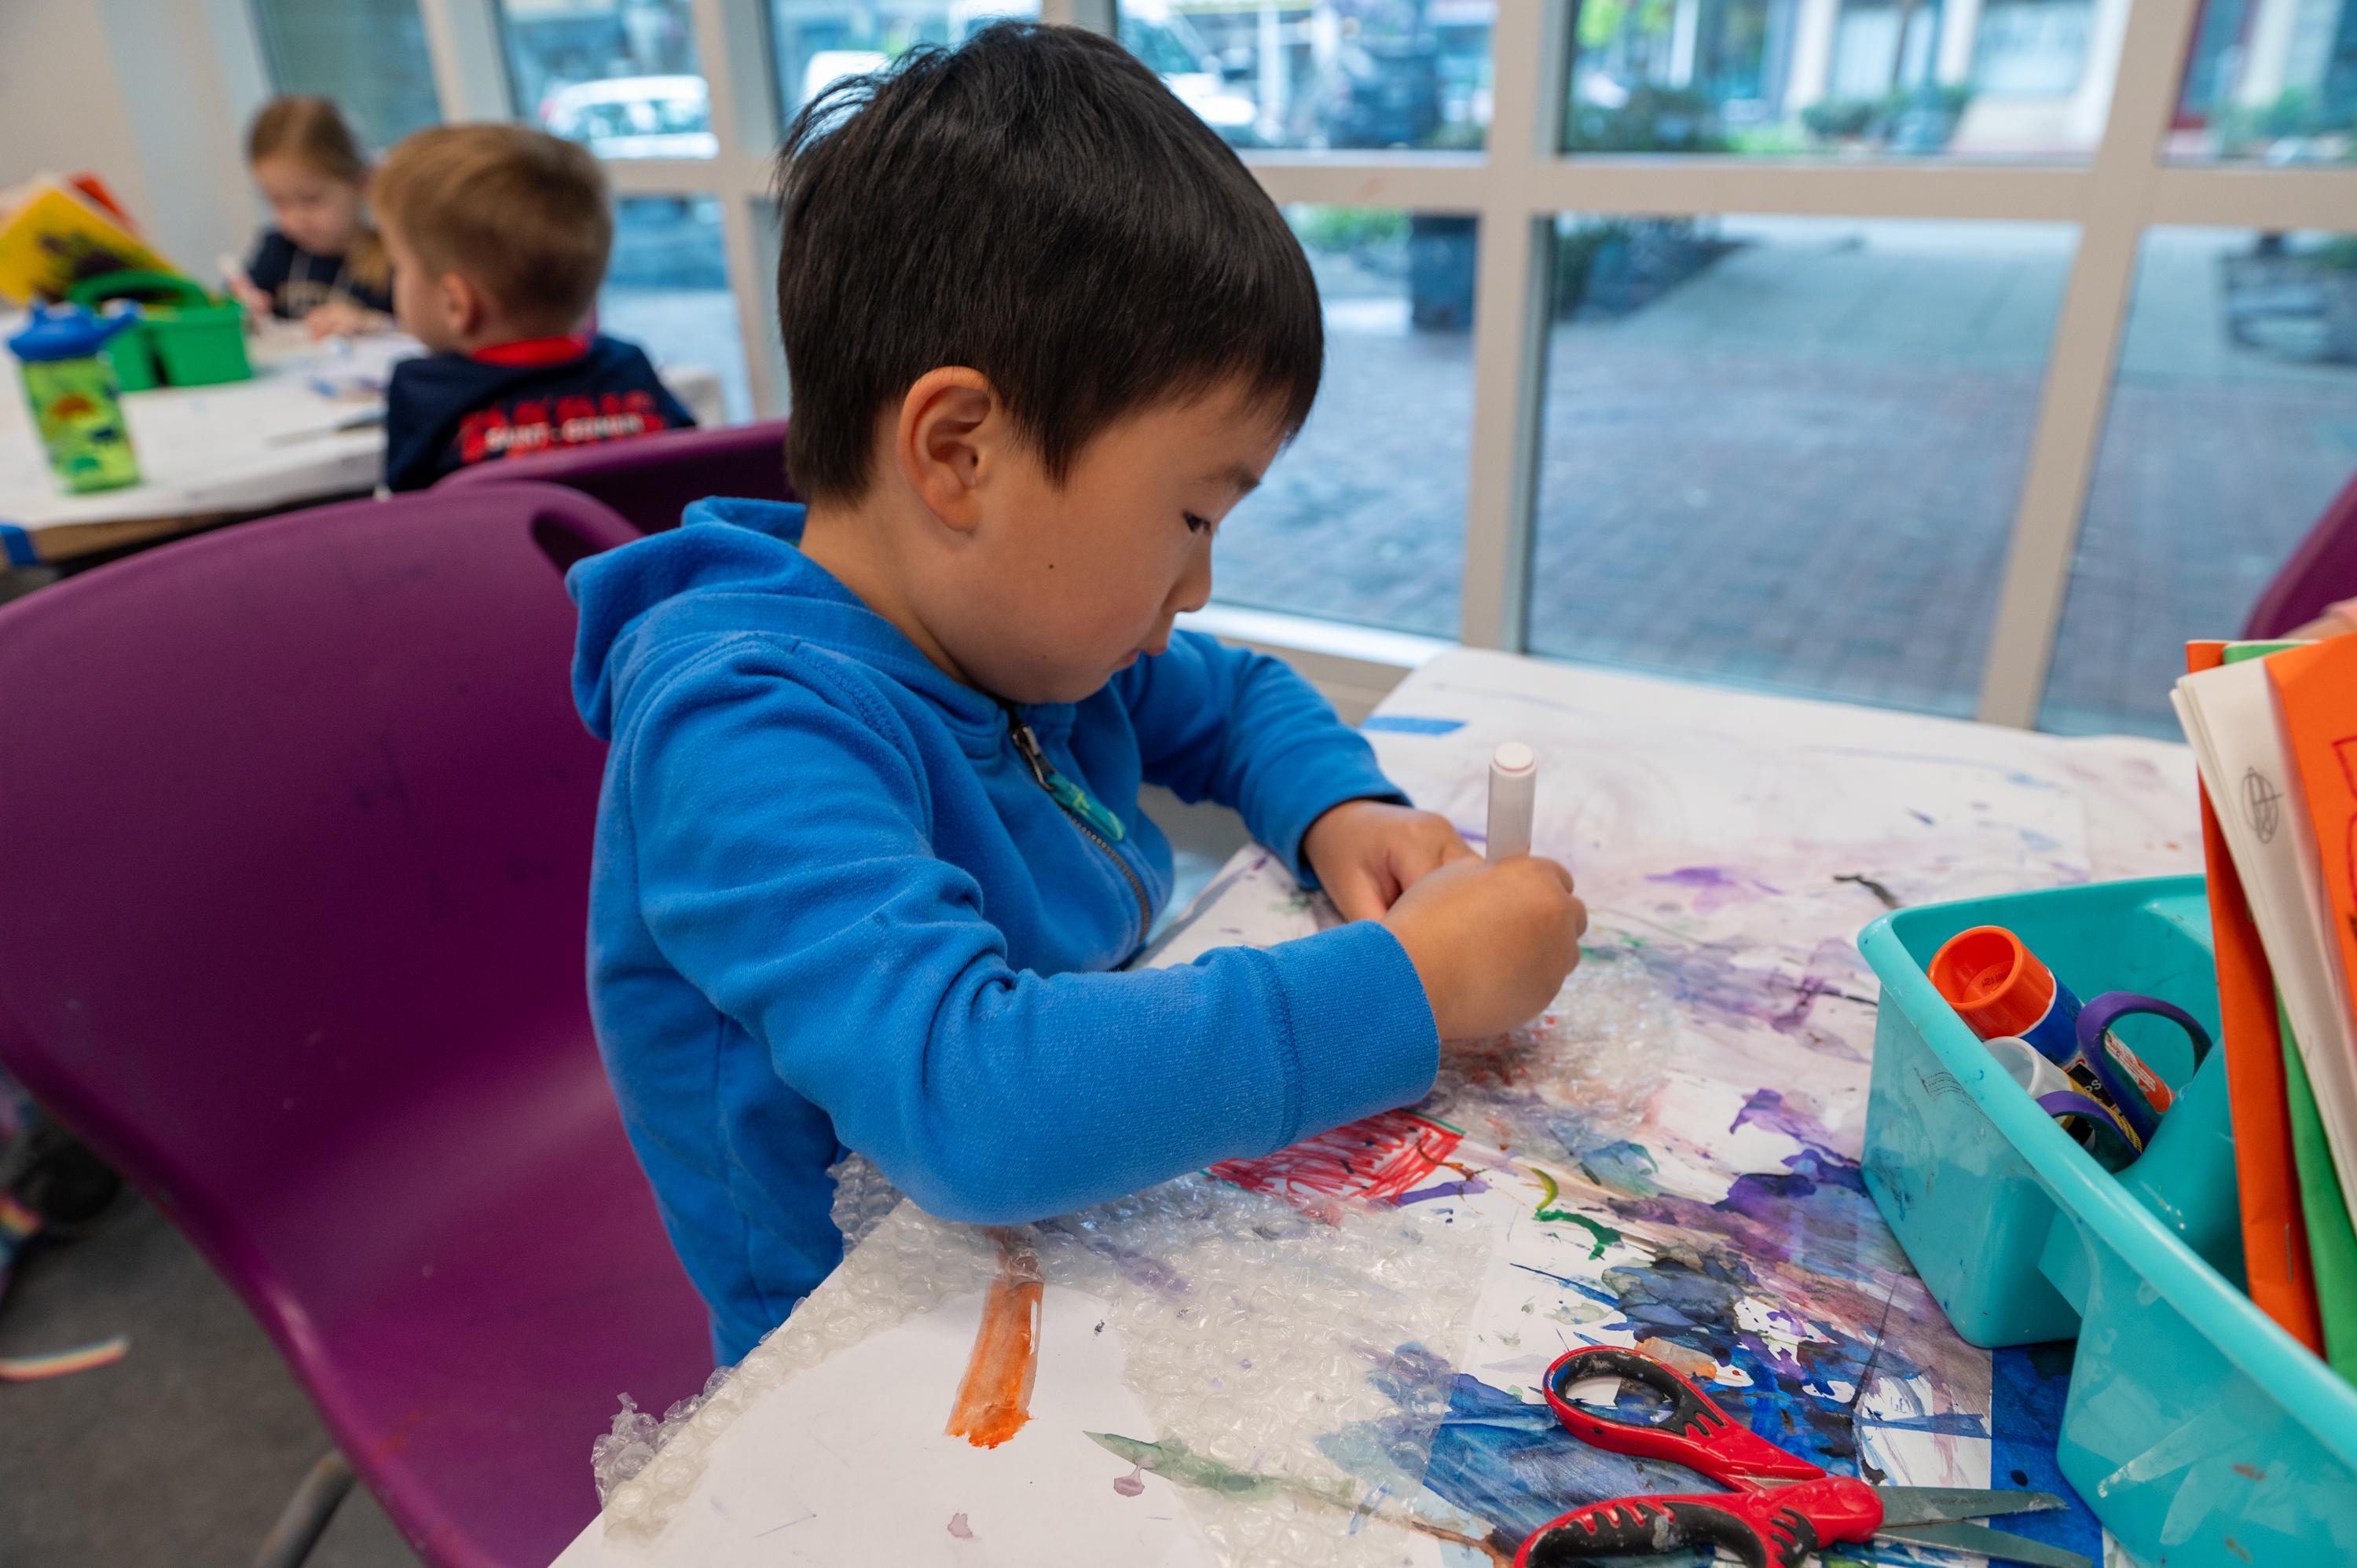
point(1984, 1542)
point(1931, 1505)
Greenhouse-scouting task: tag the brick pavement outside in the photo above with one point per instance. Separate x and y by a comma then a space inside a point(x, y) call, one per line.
point(1800, 469)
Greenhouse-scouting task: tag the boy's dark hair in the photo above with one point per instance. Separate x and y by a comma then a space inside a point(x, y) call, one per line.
point(1036, 206)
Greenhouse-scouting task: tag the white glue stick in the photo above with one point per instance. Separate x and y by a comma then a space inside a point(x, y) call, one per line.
point(1513, 791)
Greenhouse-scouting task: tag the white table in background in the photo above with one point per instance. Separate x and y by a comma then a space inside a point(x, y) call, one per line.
point(300, 431)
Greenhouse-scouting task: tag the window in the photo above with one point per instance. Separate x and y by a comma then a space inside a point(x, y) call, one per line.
point(1362, 518)
point(370, 56)
point(1787, 451)
point(1764, 444)
point(2027, 48)
point(2270, 79)
point(667, 290)
point(620, 75)
point(2233, 424)
point(2003, 80)
point(816, 42)
point(1324, 74)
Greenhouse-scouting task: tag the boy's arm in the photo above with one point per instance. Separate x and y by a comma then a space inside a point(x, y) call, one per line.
point(785, 869)
point(1241, 728)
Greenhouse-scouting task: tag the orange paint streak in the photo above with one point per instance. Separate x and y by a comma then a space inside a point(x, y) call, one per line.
point(994, 1401)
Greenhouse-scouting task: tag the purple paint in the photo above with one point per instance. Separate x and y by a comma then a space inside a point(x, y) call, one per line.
point(1465, 1189)
point(1713, 886)
point(959, 1528)
point(1131, 1485)
point(1145, 1272)
point(1714, 978)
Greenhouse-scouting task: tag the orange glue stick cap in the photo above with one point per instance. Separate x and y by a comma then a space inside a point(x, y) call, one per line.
point(1994, 984)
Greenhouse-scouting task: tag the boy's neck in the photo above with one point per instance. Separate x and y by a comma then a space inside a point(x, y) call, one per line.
point(854, 543)
point(498, 332)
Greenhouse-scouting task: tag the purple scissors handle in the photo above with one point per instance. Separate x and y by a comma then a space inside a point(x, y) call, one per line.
point(2070, 1102)
point(2096, 1020)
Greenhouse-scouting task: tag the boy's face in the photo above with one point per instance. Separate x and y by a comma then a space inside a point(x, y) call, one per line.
point(1061, 585)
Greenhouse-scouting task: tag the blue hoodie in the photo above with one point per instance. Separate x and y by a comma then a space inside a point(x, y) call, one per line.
point(834, 907)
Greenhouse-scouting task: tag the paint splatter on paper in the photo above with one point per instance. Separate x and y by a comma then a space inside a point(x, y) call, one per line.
point(1380, 1158)
point(995, 1400)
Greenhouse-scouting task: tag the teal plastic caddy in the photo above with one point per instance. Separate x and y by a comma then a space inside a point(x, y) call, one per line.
point(2198, 1430)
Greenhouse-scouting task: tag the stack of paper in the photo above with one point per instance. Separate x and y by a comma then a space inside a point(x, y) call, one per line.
point(2274, 727)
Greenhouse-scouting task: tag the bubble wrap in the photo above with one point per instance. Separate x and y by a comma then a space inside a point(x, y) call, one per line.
point(1258, 1337)
point(1299, 1365)
point(1598, 1050)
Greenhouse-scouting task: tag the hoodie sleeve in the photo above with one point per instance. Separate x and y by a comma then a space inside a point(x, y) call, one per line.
point(412, 432)
point(815, 914)
point(1241, 728)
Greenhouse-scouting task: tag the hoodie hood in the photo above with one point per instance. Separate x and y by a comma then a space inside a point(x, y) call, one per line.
point(730, 566)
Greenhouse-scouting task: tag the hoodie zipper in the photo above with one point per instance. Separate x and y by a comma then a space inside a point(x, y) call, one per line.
point(1096, 825)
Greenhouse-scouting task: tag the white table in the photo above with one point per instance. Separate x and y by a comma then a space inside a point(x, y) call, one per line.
point(1670, 1161)
point(307, 426)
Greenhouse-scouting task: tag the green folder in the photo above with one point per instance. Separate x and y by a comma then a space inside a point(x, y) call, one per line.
point(2332, 1243)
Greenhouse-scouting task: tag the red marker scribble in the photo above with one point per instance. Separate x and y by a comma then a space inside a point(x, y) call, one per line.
point(995, 1400)
point(1375, 1159)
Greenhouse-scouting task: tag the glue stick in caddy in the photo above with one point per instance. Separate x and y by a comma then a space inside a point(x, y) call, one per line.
point(1999, 987)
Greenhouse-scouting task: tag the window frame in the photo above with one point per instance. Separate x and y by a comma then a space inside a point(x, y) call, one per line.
point(1516, 188)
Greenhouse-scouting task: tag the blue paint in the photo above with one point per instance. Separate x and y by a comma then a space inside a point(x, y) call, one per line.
point(2028, 1386)
point(1602, 1298)
point(1408, 723)
point(1513, 1465)
point(1624, 1167)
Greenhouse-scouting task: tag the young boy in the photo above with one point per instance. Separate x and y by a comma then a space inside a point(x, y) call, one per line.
point(870, 837)
point(498, 236)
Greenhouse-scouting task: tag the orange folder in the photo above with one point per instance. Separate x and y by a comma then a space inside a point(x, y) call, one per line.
point(2275, 1232)
point(2316, 697)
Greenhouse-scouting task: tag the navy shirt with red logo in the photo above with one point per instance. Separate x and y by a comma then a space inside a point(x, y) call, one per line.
point(446, 411)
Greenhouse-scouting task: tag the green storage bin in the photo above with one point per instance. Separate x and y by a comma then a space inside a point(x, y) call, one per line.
point(186, 338)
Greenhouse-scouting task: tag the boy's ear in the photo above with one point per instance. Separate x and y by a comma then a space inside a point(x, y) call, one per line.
point(951, 440)
point(464, 306)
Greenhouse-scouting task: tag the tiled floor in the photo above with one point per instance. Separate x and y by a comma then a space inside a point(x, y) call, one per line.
point(181, 1453)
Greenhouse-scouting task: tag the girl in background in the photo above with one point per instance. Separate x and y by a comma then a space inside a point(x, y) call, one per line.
point(321, 264)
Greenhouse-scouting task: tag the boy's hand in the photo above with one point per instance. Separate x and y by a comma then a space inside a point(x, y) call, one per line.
point(242, 289)
point(1367, 852)
point(1491, 943)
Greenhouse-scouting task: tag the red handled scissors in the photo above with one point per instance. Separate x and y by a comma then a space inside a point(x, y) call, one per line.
point(1782, 1508)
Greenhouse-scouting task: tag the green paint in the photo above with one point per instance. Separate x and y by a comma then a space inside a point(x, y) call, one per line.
point(1604, 1234)
point(1175, 1461)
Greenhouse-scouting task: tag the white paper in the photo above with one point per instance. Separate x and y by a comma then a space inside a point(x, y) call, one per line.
point(2229, 714)
point(849, 1463)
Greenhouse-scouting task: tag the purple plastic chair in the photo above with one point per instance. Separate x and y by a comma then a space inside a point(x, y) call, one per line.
point(2321, 572)
point(295, 830)
point(650, 480)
